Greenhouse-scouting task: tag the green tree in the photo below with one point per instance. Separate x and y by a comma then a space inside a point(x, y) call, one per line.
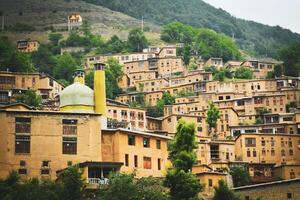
point(206, 42)
point(89, 79)
point(65, 67)
point(222, 192)
point(116, 45)
point(243, 73)
point(30, 98)
point(6, 51)
point(212, 116)
point(128, 187)
point(240, 176)
point(290, 55)
point(167, 99)
point(182, 149)
point(113, 74)
point(259, 120)
point(86, 28)
point(182, 183)
point(44, 60)
point(54, 38)
point(72, 184)
point(186, 54)
point(137, 40)
point(278, 70)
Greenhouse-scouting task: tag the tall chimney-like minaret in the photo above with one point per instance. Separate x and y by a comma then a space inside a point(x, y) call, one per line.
point(99, 89)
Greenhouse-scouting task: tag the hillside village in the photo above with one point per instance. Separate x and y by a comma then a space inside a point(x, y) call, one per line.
point(245, 112)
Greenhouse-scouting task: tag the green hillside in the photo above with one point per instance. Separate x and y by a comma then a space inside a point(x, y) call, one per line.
point(256, 38)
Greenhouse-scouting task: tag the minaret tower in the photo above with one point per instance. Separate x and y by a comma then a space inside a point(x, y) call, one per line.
point(99, 89)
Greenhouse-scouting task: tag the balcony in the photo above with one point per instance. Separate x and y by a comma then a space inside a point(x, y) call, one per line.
point(98, 181)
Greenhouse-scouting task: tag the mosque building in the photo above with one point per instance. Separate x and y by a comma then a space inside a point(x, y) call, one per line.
point(39, 143)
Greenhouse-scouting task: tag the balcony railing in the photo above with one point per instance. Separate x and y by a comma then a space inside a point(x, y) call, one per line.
point(98, 181)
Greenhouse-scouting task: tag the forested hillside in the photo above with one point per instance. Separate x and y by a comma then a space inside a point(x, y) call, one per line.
point(254, 37)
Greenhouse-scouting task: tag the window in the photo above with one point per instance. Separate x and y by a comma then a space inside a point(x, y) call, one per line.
point(263, 143)
point(69, 145)
point(45, 171)
point(126, 160)
point(282, 152)
point(291, 152)
point(158, 144)
point(135, 161)
point(131, 140)
point(272, 152)
point(146, 142)
point(22, 163)
point(23, 125)
point(22, 171)
point(69, 163)
point(210, 183)
point(159, 164)
point(289, 195)
point(22, 144)
point(263, 152)
point(248, 153)
point(250, 142)
point(227, 155)
point(199, 129)
point(254, 153)
point(45, 163)
point(69, 126)
point(147, 163)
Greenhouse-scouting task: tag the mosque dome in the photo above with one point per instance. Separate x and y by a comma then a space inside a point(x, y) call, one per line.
point(77, 98)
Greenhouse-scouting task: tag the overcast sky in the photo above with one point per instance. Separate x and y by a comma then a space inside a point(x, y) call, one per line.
point(285, 13)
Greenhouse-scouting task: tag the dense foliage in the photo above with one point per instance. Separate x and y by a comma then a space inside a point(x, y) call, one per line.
point(113, 73)
point(204, 42)
point(30, 98)
point(222, 192)
point(212, 116)
point(48, 58)
point(290, 55)
point(12, 60)
point(137, 40)
point(251, 36)
point(243, 73)
point(240, 176)
point(69, 186)
point(128, 187)
point(182, 182)
point(158, 110)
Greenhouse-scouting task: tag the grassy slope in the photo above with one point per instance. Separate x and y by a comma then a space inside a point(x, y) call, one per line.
point(44, 13)
point(251, 36)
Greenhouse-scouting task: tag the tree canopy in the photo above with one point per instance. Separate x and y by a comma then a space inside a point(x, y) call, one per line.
point(240, 176)
point(30, 98)
point(243, 73)
point(205, 42)
point(256, 38)
point(212, 116)
point(290, 55)
point(137, 40)
point(182, 183)
point(222, 192)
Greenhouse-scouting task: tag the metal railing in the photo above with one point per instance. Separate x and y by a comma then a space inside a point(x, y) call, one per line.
point(98, 181)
